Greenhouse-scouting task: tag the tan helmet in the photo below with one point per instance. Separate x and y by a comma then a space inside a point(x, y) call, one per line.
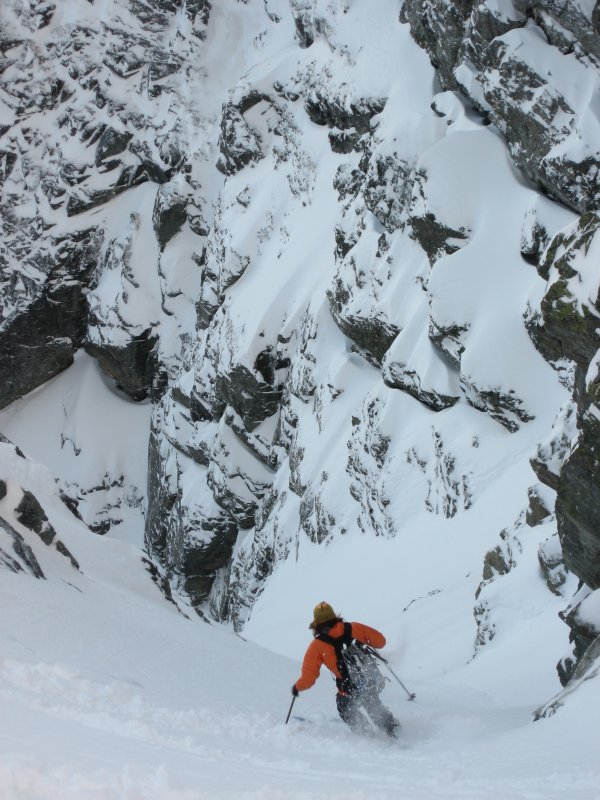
point(323, 613)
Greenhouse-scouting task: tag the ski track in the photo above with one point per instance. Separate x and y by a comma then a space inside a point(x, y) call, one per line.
point(166, 752)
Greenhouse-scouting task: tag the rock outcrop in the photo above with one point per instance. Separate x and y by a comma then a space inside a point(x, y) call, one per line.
point(25, 530)
point(500, 58)
point(565, 327)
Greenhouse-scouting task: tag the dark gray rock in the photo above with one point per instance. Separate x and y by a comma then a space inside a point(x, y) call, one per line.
point(8, 159)
point(30, 514)
point(197, 220)
point(162, 497)
point(28, 358)
point(237, 478)
point(568, 25)
point(503, 406)
point(340, 114)
point(498, 561)
point(36, 14)
point(48, 321)
point(487, 22)
point(344, 242)
point(83, 198)
point(582, 635)
point(578, 505)
point(510, 86)
point(552, 454)
point(259, 446)
point(199, 548)
point(361, 275)
point(537, 510)
point(387, 190)
point(222, 266)
point(567, 328)
point(133, 366)
point(255, 558)
point(486, 629)
point(24, 559)
point(372, 334)
point(534, 239)
point(468, 44)
point(317, 522)
point(254, 400)
point(348, 182)
point(36, 88)
point(198, 12)
point(552, 564)
point(168, 216)
point(449, 340)
point(307, 24)
point(126, 51)
point(110, 144)
point(438, 26)
point(158, 15)
point(586, 669)
point(295, 458)
point(588, 661)
point(192, 543)
point(239, 145)
point(495, 563)
point(434, 236)
point(367, 452)
point(344, 141)
point(572, 181)
point(398, 376)
point(240, 503)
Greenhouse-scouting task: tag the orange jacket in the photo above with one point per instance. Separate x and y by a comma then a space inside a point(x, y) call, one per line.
point(319, 653)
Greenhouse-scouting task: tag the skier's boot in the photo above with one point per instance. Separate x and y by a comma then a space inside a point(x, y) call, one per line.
point(392, 727)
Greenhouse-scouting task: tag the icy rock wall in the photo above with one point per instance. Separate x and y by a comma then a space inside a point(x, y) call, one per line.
point(84, 99)
point(502, 57)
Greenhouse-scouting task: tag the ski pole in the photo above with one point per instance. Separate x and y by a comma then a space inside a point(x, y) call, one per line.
point(411, 695)
point(287, 719)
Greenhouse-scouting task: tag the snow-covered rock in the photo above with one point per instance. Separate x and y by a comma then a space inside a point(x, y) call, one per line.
point(564, 326)
point(26, 533)
point(505, 58)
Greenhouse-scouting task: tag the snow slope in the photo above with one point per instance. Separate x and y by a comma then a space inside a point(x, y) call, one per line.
point(108, 691)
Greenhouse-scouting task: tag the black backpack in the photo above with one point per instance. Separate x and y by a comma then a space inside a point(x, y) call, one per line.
point(355, 664)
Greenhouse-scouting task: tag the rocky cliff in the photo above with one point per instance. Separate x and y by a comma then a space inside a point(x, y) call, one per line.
point(503, 59)
point(347, 260)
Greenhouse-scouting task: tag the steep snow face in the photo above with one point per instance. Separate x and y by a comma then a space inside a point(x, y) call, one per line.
point(310, 269)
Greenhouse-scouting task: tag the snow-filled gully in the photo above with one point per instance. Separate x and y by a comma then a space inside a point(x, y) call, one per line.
point(318, 206)
point(93, 709)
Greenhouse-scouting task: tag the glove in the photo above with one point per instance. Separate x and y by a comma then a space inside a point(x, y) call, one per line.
point(295, 691)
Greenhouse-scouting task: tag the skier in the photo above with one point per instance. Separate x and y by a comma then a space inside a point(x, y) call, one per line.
point(354, 692)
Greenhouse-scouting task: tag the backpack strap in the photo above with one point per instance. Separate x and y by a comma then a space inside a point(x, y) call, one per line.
point(338, 643)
